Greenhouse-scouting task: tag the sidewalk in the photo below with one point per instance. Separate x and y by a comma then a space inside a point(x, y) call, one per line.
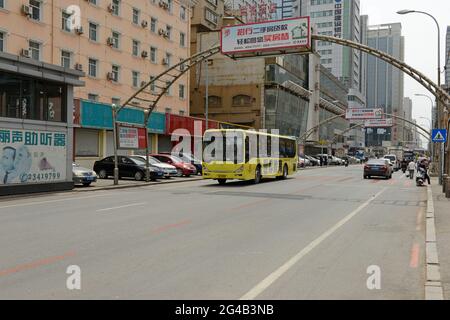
point(108, 184)
point(442, 216)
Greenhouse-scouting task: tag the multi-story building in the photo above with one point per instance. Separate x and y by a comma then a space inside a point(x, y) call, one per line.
point(119, 44)
point(408, 130)
point(447, 59)
point(341, 19)
point(385, 82)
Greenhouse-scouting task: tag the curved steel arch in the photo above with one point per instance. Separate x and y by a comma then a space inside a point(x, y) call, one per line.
point(438, 92)
point(167, 78)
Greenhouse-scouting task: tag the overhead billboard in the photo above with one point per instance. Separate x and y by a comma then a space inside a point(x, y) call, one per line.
point(363, 114)
point(131, 137)
point(379, 123)
point(272, 37)
point(32, 156)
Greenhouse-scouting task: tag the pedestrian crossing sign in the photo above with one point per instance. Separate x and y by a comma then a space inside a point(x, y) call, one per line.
point(439, 135)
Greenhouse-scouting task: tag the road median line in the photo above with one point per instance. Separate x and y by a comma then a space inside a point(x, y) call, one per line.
point(274, 276)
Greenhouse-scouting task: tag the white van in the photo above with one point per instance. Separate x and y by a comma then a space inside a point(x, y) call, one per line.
point(394, 161)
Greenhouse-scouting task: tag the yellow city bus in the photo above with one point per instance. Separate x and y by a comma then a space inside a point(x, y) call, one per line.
point(247, 155)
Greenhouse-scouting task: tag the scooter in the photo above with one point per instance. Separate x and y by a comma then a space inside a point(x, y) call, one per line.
point(420, 178)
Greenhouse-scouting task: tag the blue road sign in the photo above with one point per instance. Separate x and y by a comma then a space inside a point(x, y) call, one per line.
point(439, 135)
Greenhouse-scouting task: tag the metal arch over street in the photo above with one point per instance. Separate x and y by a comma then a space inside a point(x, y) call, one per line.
point(438, 92)
point(309, 132)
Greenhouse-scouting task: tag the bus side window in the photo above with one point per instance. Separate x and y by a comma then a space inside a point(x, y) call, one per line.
point(247, 149)
point(269, 146)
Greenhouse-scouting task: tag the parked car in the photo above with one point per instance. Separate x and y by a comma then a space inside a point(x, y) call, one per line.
point(168, 170)
point(82, 175)
point(189, 159)
point(322, 158)
point(304, 161)
point(314, 161)
point(183, 168)
point(338, 161)
point(378, 168)
point(128, 167)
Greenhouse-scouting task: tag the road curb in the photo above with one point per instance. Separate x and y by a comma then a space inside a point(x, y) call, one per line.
point(113, 187)
point(433, 284)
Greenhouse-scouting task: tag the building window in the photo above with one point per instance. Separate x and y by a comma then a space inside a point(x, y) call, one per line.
point(93, 97)
point(182, 39)
point(93, 31)
point(94, 2)
point(115, 101)
point(136, 14)
point(65, 59)
point(183, 13)
point(115, 70)
point(135, 75)
point(242, 100)
point(168, 88)
point(35, 49)
point(45, 101)
point(153, 54)
point(170, 4)
point(211, 16)
point(169, 32)
point(181, 91)
point(168, 110)
point(136, 46)
point(2, 42)
point(2, 4)
point(152, 84)
point(93, 67)
point(153, 26)
point(116, 39)
point(214, 101)
point(115, 7)
point(65, 21)
point(168, 59)
point(35, 6)
point(181, 112)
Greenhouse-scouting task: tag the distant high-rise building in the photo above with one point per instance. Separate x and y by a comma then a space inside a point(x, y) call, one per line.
point(341, 19)
point(385, 82)
point(447, 59)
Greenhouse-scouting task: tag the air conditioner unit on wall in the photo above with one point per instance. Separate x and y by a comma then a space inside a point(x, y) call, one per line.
point(110, 76)
point(26, 10)
point(110, 41)
point(26, 53)
point(144, 54)
point(79, 30)
point(161, 32)
point(165, 61)
point(144, 24)
point(79, 67)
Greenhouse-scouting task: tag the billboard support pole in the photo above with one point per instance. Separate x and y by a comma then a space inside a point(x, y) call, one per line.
point(116, 166)
point(147, 113)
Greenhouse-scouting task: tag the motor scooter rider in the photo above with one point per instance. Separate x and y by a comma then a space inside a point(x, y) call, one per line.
point(423, 165)
point(411, 169)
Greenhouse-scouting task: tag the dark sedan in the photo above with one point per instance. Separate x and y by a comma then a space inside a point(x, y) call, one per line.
point(128, 167)
point(378, 168)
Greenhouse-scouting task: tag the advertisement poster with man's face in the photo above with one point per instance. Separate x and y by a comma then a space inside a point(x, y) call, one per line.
point(30, 156)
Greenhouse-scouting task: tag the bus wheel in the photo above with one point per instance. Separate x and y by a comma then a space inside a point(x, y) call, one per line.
point(285, 172)
point(257, 175)
point(222, 181)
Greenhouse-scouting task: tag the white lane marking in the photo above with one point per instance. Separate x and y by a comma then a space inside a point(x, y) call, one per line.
point(274, 276)
point(120, 207)
point(52, 201)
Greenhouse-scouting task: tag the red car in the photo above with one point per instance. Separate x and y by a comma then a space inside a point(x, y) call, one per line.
point(183, 168)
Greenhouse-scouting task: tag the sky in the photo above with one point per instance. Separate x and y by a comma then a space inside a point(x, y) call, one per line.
point(421, 43)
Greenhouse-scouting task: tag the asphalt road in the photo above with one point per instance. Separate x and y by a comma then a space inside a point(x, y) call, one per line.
point(313, 236)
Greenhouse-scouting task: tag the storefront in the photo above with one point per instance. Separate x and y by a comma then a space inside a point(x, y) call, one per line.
point(93, 138)
point(36, 125)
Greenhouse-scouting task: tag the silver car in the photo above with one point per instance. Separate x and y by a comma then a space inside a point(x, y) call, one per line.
point(82, 175)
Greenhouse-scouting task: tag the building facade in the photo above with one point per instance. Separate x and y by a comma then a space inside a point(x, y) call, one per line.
point(342, 19)
point(118, 44)
point(447, 59)
point(385, 83)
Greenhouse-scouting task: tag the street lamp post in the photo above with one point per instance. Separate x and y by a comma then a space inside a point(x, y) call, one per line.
point(438, 79)
point(116, 166)
point(147, 166)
